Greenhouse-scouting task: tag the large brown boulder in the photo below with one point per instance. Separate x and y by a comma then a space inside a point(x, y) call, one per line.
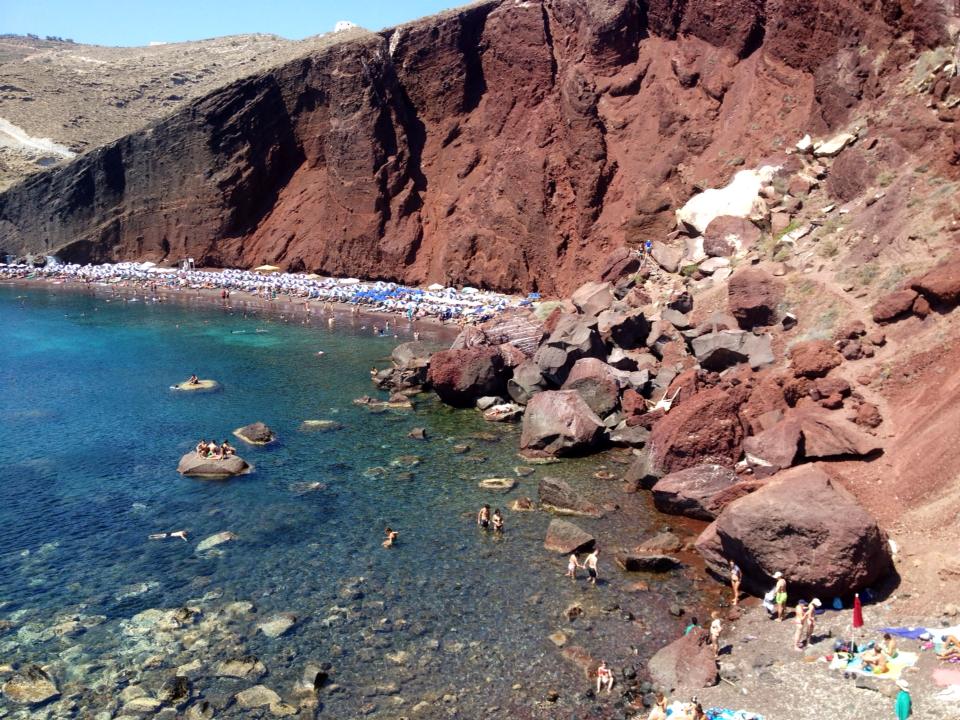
point(564, 537)
point(753, 297)
point(461, 376)
point(828, 434)
point(526, 381)
point(894, 306)
point(941, 284)
point(803, 524)
point(597, 383)
point(703, 429)
point(592, 298)
point(729, 235)
point(773, 449)
point(813, 358)
point(559, 422)
point(256, 434)
point(689, 492)
point(685, 664)
point(557, 496)
point(194, 465)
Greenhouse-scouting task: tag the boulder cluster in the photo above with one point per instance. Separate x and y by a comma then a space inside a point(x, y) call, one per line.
point(716, 405)
point(937, 290)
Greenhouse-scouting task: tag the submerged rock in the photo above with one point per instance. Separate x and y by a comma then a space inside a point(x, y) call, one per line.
point(193, 465)
point(277, 625)
point(646, 562)
point(320, 426)
point(255, 434)
point(245, 668)
point(557, 496)
point(30, 686)
point(219, 539)
point(256, 696)
point(498, 484)
point(197, 387)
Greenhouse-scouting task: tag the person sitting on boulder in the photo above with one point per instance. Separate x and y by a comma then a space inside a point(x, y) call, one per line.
point(226, 449)
point(201, 448)
point(194, 380)
point(604, 677)
point(391, 537)
point(694, 623)
point(213, 451)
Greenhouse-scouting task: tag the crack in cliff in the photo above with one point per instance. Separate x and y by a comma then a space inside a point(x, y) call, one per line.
point(472, 26)
point(548, 36)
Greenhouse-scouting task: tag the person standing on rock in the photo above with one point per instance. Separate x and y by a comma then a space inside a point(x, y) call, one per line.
point(716, 627)
point(736, 576)
point(903, 704)
point(591, 565)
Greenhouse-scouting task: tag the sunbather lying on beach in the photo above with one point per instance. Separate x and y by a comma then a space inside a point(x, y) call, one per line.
point(951, 648)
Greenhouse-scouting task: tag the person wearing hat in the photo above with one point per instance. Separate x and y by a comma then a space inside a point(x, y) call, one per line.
point(811, 619)
point(903, 705)
point(780, 596)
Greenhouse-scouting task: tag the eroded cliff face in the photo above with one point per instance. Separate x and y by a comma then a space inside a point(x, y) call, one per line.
point(507, 145)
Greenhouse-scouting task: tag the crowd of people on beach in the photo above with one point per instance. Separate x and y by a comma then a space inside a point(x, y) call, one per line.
point(436, 301)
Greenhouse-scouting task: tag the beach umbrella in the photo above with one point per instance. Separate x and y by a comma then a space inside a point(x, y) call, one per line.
point(267, 269)
point(857, 612)
point(435, 287)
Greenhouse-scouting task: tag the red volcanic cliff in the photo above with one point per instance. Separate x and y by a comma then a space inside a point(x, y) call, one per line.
point(508, 144)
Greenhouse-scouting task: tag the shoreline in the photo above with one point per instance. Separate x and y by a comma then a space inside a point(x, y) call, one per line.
point(430, 328)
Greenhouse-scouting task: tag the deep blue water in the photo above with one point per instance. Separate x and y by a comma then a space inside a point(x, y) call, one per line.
point(92, 439)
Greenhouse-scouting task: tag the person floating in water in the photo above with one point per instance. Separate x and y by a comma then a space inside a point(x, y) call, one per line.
point(194, 380)
point(497, 521)
point(182, 534)
point(483, 517)
point(391, 537)
point(604, 677)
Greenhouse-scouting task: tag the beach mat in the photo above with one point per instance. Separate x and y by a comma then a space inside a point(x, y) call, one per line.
point(946, 676)
point(725, 714)
point(895, 666)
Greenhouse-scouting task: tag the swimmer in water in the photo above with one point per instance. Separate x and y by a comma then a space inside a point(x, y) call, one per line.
point(391, 537)
point(182, 534)
point(483, 517)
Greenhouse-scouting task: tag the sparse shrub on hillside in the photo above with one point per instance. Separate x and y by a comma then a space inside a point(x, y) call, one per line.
point(828, 249)
point(885, 179)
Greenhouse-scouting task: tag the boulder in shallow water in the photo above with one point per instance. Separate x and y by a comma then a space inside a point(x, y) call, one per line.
point(557, 496)
point(255, 434)
point(277, 625)
point(194, 465)
point(257, 696)
point(320, 425)
point(498, 484)
point(219, 539)
point(564, 537)
point(198, 387)
point(559, 422)
point(245, 668)
point(646, 562)
point(685, 664)
point(30, 686)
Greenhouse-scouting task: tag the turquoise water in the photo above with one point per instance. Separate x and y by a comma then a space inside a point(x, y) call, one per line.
point(93, 437)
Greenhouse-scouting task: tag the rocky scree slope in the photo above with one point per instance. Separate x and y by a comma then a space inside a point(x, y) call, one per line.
point(508, 144)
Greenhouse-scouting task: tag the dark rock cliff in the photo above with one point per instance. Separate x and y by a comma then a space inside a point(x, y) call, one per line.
point(508, 144)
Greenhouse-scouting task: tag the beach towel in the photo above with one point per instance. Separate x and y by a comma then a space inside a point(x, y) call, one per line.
point(912, 633)
point(895, 666)
point(945, 676)
point(950, 694)
point(724, 714)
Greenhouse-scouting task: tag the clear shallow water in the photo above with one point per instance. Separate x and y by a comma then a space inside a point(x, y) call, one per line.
point(93, 439)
